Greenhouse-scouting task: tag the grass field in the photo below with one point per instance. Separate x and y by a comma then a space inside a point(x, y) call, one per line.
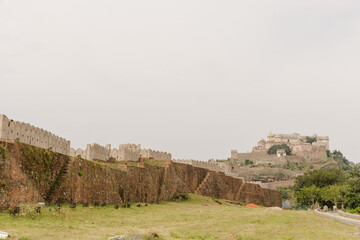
point(198, 218)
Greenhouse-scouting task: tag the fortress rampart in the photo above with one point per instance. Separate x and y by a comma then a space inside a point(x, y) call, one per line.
point(210, 165)
point(128, 152)
point(101, 183)
point(26, 133)
point(132, 152)
point(158, 155)
point(93, 151)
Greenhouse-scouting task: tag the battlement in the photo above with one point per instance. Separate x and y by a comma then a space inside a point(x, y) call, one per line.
point(214, 166)
point(29, 134)
point(158, 155)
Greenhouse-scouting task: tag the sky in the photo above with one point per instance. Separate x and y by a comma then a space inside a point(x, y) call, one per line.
point(194, 78)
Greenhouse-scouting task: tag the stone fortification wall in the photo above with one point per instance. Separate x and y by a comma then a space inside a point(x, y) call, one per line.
point(224, 167)
point(157, 155)
point(128, 152)
point(26, 133)
point(264, 174)
point(314, 154)
point(93, 151)
point(103, 184)
point(278, 184)
point(261, 157)
point(213, 166)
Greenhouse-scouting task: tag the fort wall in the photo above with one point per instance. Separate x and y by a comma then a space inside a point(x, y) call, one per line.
point(102, 184)
point(128, 152)
point(93, 151)
point(29, 134)
point(224, 167)
point(158, 155)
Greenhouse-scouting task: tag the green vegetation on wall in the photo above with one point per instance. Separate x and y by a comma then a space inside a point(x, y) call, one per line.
point(273, 149)
point(344, 163)
point(3, 150)
point(311, 139)
point(248, 162)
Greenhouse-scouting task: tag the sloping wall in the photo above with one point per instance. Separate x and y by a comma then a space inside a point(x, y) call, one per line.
point(29, 174)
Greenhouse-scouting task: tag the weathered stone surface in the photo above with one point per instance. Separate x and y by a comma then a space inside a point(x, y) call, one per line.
point(28, 178)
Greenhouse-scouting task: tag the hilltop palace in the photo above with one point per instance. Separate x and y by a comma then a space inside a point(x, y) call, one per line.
point(299, 146)
point(26, 133)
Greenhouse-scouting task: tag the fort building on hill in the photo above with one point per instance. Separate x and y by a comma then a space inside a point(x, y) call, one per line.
point(307, 149)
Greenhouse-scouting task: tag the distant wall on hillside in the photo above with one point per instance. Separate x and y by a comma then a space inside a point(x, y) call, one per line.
point(158, 155)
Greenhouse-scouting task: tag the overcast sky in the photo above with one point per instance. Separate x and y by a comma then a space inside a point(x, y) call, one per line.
point(190, 77)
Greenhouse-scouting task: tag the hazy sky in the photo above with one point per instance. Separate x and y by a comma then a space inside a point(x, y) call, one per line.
point(194, 78)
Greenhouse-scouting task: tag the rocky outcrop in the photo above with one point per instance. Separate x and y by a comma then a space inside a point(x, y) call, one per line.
point(29, 174)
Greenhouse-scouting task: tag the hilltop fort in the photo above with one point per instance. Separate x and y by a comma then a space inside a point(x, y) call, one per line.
point(275, 162)
point(304, 149)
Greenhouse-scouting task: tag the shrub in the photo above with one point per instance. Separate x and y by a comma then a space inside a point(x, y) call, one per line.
point(311, 139)
point(80, 173)
point(3, 150)
point(248, 162)
point(273, 149)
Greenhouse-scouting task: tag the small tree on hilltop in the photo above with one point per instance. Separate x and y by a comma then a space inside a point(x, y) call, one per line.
point(311, 139)
point(273, 149)
point(248, 162)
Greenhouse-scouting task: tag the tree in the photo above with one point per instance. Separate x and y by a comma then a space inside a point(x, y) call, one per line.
point(308, 195)
point(344, 192)
point(311, 139)
point(248, 162)
point(320, 178)
point(331, 193)
point(273, 149)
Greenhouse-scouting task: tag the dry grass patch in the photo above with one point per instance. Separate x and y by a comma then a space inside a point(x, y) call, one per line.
point(198, 218)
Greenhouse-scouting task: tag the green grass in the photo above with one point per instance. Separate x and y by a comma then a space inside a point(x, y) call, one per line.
point(198, 218)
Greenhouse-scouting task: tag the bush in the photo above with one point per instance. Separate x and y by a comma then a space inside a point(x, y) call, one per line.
point(273, 149)
point(311, 139)
point(355, 210)
point(248, 162)
point(80, 173)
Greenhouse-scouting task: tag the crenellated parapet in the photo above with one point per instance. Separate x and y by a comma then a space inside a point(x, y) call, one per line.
point(127, 152)
point(98, 152)
point(214, 166)
point(93, 151)
point(157, 155)
point(29, 134)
